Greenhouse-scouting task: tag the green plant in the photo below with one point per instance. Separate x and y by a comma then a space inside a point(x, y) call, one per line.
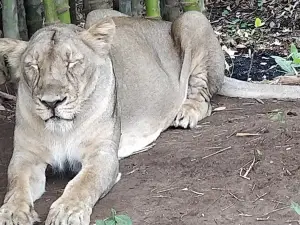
point(291, 62)
point(296, 207)
point(115, 219)
point(258, 23)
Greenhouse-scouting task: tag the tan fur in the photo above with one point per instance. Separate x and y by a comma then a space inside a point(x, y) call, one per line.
point(115, 87)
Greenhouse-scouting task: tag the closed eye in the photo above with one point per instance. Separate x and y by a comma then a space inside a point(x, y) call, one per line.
point(72, 64)
point(34, 66)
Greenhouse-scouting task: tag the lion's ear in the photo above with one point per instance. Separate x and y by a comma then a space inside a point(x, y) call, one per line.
point(100, 35)
point(11, 50)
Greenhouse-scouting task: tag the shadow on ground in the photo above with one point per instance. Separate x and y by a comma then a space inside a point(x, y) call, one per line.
point(173, 184)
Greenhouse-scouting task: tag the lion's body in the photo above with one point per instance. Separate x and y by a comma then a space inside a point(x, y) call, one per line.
point(91, 97)
point(152, 86)
point(145, 114)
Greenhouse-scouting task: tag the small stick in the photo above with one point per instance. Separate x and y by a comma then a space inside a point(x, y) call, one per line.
point(217, 152)
point(213, 203)
point(263, 219)
point(259, 197)
point(227, 207)
point(248, 170)
point(219, 189)
point(279, 202)
point(235, 197)
point(7, 96)
point(196, 192)
point(243, 214)
point(293, 221)
point(165, 190)
point(160, 196)
point(250, 67)
point(275, 210)
point(253, 187)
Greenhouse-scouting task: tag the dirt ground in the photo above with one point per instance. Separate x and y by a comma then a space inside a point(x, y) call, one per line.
point(178, 182)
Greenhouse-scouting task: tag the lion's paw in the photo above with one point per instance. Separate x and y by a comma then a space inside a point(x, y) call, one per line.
point(68, 213)
point(188, 116)
point(18, 213)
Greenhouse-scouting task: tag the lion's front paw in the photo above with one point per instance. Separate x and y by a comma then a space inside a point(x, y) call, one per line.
point(188, 116)
point(17, 213)
point(68, 212)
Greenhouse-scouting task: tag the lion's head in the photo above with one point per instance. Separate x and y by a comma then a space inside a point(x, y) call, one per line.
point(59, 67)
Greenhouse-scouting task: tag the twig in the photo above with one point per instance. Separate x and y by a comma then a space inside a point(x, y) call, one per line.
point(259, 197)
point(195, 192)
point(217, 152)
point(251, 63)
point(213, 202)
point(264, 219)
point(275, 210)
point(241, 200)
point(7, 96)
point(160, 196)
point(275, 201)
point(293, 221)
point(248, 170)
point(227, 207)
point(243, 214)
point(165, 190)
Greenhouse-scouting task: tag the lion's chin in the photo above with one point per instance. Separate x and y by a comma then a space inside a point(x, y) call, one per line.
point(58, 125)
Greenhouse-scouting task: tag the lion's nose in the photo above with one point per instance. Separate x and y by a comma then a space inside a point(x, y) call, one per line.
point(53, 103)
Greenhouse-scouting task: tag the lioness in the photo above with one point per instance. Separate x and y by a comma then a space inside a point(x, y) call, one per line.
point(92, 96)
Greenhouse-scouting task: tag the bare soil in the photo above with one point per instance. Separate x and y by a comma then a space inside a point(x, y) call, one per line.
point(177, 182)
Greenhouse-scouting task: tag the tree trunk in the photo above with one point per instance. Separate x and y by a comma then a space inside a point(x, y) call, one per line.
point(90, 5)
point(34, 18)
point(73, 11)
point(10, 19)
point(50, 12)
point(125, 7)
point(170, 9)
point(62, 9)
point(136, 8)
point(152, 9)
point(191, 5)
point(22, 20)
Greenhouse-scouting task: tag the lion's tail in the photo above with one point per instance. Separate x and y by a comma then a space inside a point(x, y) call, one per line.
point(236, 88)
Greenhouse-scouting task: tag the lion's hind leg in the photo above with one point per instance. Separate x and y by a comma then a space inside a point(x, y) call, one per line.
point(202, 71)
point(197, 104)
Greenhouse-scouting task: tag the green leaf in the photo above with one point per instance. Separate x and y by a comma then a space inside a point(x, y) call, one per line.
point(277, 116)
point(258, 22)
point(296, 61)
point(113, 213)
point(225, 12)
point(295, 206)
point(110, 221)
point(123, 220)
point(100, 222)
point(294, 49)
point(284, 64)
point(244, 25)
point(260, 4)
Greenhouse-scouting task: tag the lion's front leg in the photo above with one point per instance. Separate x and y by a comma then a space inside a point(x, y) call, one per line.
point(97, 176)
point(26, 183)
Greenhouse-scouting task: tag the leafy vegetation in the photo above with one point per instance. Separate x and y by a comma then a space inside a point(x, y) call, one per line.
point(291, 63)
point(296, 207)
point(115, 219)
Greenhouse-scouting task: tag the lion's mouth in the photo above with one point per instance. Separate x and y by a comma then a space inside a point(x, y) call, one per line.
point(57, 118)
